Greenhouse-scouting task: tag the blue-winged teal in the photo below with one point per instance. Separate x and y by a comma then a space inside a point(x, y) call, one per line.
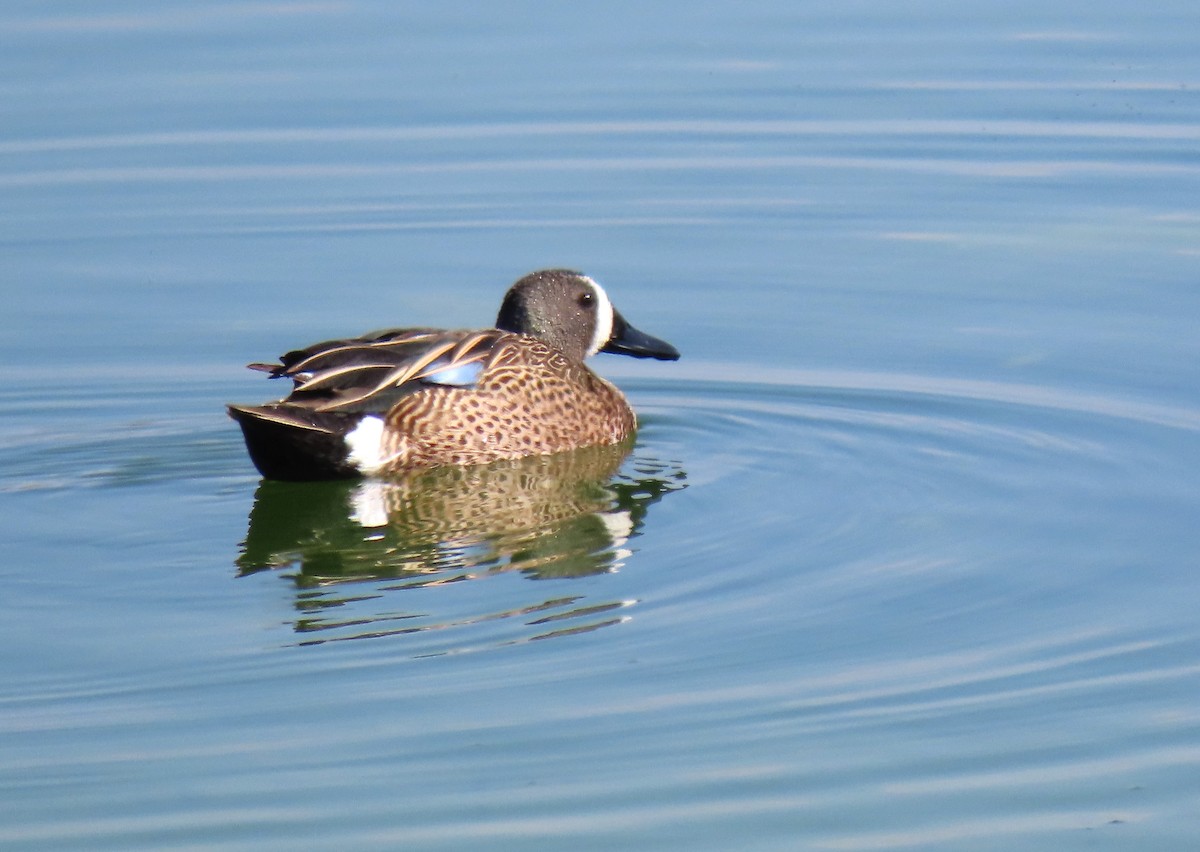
point(420, 397)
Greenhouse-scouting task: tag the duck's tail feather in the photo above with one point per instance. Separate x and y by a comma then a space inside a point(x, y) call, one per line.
point(294, 443)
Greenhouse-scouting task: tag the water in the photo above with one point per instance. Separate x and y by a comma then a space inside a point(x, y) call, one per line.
point(904, 556)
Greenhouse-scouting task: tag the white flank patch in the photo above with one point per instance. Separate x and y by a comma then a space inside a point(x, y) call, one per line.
point(366, 444)
point(604, 318)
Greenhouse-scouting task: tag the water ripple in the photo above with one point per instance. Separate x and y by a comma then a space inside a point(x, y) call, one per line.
point(908, 590)
point(865, 128)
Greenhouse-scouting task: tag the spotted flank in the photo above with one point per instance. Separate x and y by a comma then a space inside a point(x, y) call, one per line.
point(413, 398)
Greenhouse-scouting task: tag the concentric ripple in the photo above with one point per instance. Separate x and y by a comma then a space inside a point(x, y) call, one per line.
point(804, 566)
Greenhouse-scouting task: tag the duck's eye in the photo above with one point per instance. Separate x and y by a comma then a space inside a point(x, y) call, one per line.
point(586, 299)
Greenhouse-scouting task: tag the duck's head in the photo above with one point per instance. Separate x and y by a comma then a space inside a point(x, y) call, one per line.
point(573, 314)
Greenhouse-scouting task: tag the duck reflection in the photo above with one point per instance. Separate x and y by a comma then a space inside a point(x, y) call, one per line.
point(559, 516)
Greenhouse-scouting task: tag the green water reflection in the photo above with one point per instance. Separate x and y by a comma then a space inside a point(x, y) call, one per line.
point(354, 546)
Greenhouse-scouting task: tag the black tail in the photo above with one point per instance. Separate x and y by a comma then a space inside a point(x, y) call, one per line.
point(293, 443)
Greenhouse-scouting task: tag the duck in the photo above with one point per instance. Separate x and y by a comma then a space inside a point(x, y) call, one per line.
point(407, 399)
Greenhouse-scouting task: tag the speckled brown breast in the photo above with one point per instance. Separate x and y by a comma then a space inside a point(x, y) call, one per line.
point(529, 399)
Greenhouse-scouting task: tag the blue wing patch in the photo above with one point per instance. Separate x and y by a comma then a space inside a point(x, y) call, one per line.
point(455, 375)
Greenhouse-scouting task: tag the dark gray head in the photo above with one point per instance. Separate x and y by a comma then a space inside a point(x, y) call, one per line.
point(572, 313)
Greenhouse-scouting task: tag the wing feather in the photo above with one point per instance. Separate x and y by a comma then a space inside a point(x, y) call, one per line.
point(372, 372)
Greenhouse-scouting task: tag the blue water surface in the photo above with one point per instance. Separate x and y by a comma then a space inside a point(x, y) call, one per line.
point(904, 556)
